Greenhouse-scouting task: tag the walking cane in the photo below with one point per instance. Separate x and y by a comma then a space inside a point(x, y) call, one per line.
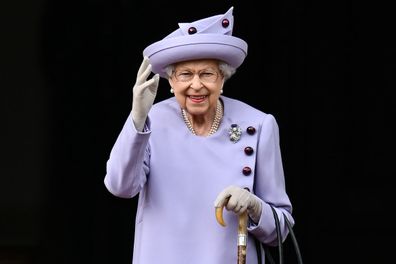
point(242, 232)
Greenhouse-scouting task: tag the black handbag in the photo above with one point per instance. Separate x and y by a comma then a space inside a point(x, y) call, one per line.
point(268, 256)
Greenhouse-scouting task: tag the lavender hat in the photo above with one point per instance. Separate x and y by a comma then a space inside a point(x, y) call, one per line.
point(207, 38)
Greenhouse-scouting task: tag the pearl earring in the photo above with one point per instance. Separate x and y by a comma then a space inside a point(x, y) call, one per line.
point(171, 90)
point(221, 91)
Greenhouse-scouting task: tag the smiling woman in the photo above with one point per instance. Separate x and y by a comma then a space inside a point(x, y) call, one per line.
point(219, 164)
point(197, 86)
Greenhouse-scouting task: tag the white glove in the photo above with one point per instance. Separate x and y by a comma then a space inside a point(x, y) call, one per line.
point(239, 200)
point(144, 93)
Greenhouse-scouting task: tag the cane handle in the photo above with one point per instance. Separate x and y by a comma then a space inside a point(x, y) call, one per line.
point(219, 215)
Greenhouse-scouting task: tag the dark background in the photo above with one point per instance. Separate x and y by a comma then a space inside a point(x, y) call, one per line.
point(325, 70)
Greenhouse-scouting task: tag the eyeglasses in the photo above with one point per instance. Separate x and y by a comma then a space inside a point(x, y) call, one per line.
point(206, 76)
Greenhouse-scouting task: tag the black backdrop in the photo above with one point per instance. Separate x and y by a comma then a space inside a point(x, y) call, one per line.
point(325, 70)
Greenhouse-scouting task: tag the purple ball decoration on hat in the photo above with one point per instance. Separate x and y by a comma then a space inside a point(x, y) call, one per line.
point(207, 38)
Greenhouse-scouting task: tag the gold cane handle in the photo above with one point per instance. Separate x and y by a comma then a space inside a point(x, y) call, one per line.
point(219, 215)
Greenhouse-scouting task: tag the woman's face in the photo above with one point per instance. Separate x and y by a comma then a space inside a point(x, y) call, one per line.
point(197, 85)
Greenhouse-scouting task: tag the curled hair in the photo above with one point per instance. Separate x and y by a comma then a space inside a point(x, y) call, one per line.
point(226, 70)
point(169, 70)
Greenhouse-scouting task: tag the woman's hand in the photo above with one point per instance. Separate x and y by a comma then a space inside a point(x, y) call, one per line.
point(144, 92)
point(238, 200)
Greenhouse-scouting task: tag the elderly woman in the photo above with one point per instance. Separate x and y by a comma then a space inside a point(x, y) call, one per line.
point(197, 150)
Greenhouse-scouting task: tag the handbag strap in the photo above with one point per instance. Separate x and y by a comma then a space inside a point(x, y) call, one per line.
point(294, 239)
point(259, 245)
point(279, 236)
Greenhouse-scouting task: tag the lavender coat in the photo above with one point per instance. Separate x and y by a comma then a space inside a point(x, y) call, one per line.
point(178, 176)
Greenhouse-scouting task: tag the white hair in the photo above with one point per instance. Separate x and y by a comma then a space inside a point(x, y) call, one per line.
point(226, 69)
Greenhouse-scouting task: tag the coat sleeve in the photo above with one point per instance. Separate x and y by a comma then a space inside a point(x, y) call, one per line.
point(128, 165)
point(269, 184)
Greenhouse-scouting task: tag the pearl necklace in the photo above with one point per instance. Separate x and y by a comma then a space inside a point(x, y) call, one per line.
point(215, 124)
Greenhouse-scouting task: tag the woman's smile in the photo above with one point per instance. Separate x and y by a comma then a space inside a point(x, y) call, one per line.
point(197, 98)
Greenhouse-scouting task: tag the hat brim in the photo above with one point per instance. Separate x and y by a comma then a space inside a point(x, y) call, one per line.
point(229, 49)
